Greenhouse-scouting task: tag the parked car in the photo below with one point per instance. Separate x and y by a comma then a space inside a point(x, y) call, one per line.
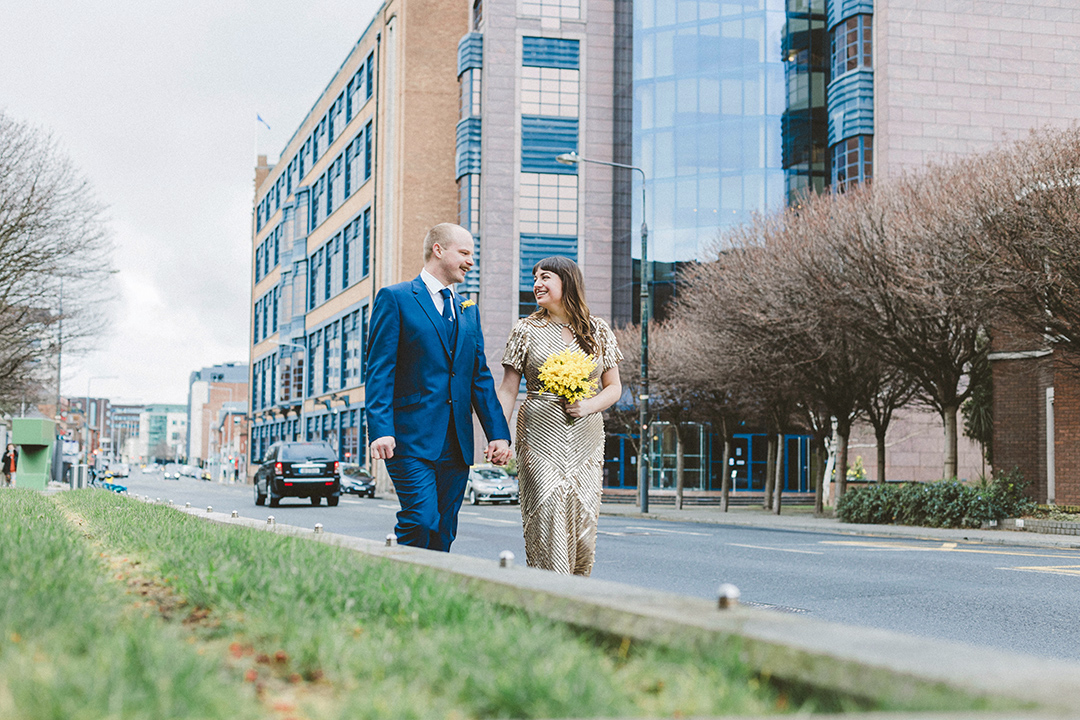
point(172, 471)
point(189, 471)
point(151, 468)
point(119, 469)
point(356, 480)
point(490, 483)
point(298, 469)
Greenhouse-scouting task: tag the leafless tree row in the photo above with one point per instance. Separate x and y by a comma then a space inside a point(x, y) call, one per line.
point(54, 261)
point(850, 305)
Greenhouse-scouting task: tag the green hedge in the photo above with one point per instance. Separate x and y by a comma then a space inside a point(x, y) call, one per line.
point(946, 503)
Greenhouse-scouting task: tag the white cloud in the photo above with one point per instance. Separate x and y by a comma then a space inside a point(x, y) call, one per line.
point(156, 103)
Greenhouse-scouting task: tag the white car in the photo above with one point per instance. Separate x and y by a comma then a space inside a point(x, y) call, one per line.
point(490, 483)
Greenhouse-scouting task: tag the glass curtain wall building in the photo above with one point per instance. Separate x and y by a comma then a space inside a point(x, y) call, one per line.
point(730, 118)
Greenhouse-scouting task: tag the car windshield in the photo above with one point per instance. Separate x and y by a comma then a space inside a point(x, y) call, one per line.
point(355, 471)
point(172, 467)
point(491, 474)
point(301, 452)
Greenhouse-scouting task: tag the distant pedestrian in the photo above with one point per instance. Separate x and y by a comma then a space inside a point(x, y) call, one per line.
point(10, 465)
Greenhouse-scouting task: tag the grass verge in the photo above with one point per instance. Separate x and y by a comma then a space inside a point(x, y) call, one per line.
point(368, 638)
point(72, 643)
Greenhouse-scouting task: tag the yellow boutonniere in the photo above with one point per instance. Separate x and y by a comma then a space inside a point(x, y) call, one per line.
point(467, 304)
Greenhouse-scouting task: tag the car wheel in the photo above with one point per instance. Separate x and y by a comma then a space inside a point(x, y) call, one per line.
point(371, 494)
point(316, 500)
point(473, 500)
point(260, 499)
point(332, 501)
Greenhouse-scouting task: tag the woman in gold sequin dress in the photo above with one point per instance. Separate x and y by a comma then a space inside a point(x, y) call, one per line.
point(560, 446)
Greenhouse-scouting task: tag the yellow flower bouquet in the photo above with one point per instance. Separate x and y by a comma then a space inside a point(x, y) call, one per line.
point(567, 373)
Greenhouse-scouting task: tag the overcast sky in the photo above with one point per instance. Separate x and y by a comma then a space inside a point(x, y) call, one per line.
point(156, 103)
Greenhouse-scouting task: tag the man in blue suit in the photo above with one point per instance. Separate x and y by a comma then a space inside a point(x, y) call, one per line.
point(426, 373)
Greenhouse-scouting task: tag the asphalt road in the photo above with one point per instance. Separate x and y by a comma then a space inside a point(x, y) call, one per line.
point(1017, 599)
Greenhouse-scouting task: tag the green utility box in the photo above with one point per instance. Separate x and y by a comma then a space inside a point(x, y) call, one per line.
point(35, 438)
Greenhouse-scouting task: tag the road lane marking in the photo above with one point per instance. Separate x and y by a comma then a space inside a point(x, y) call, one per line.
point(764, 547)
point(1049, 569)
point(671, 532)
point(494, 520)
point(390, 507)
point(938, 548)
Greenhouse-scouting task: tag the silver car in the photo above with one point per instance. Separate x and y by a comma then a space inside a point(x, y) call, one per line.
point(489, 483)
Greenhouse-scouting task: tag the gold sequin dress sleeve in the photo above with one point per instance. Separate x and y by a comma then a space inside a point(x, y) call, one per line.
point(560, 459)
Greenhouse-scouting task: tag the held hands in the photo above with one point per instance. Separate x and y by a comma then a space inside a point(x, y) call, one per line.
point(383, 448)
point(498, 452)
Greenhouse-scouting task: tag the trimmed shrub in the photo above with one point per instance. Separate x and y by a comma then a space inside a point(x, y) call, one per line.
point(945, 503)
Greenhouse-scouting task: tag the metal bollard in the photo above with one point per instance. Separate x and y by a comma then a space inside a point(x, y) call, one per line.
point(270, 520)
point(506, 559)
point(729, 596)
point(209, 509)
point(235, 514)
point(391, 540)
point(318, 528)
point(187, 504)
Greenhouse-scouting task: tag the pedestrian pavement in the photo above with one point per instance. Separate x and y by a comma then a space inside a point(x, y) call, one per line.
point(799, 518)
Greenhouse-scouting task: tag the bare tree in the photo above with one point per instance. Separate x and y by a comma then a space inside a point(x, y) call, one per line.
point(54, 258)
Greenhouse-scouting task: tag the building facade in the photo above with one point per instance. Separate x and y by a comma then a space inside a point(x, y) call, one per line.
point(442, 112)
point(342, 213)
point(209, 390)
point(163, 433)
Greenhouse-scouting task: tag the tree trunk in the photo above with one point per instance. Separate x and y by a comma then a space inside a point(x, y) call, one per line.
point(817, 469)
point(770, 470)
point(725, 479)
point(778, 486)
point(843, 432)
point(679, 477)
point(948, 414)
point(879, 434)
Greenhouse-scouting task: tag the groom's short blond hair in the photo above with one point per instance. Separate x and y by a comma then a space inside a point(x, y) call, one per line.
point(443, 233)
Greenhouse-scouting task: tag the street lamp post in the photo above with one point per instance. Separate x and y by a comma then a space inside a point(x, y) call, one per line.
point(572, 158)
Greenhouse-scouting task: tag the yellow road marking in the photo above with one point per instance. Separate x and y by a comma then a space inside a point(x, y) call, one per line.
point(1051, 569)
point(951, 547)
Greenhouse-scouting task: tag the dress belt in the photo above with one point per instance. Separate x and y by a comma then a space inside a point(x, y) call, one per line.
point(541, 395)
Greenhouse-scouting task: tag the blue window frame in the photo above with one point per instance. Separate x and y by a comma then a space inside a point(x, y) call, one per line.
point(550, 52)
point(367, 151)
point(544, 138)
point(365, 255)
point(369, 75)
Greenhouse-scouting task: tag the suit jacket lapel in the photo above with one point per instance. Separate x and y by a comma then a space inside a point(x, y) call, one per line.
point(420, 292)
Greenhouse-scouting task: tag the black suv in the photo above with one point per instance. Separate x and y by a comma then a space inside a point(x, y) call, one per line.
point(298, 469)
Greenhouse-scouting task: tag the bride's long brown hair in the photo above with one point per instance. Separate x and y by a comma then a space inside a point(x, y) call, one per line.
point(573, 299)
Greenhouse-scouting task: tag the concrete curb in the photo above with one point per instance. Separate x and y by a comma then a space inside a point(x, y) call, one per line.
point(856, 661)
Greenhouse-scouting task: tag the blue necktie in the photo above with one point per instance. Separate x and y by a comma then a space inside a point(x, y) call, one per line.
point(448, 313)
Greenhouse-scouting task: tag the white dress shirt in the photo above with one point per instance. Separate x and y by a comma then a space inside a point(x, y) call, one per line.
point(435, 291)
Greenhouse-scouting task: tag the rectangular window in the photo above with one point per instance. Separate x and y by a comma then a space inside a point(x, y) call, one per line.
point(562, 9)
point(369, 75)
point(266, 315)
point(277, 245)
point(337, 183)
point(548, 91)
point(258, 263)
point(328, 267)
point(549, 204)
point(276, 303)
point(348, 236)
point(364, 311)
point(544, 138)
point(271, 363)
point(365, 256)
point(314, 265)
point(550, 52)
point(255, 314)
point(255, 386)
point(347, 173)
point(367, 151)
point(315, 372)
point(331, 358)
point(470, 93)
point(852, 45)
